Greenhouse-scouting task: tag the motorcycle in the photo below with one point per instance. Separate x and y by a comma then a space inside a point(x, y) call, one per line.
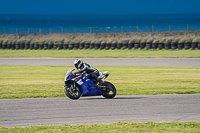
point(79, 85)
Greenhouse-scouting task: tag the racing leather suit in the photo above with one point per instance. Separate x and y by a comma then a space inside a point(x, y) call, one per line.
point(91, 72)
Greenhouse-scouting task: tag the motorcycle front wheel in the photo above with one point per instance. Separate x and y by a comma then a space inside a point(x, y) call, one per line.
point(73, 91)
point(110, 90)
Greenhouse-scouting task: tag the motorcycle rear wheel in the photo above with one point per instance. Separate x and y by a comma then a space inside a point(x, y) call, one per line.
point(73, 91)
point(110, 91)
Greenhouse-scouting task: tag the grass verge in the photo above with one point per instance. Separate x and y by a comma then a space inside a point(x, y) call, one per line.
point(101, 37)
point(101, 53)
point(48, 81)
point(149, 127)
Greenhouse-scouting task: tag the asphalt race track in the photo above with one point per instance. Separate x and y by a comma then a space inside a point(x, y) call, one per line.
point(87, 110)
point(104, 61)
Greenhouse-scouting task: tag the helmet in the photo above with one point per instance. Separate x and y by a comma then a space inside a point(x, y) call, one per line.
point(78, 63)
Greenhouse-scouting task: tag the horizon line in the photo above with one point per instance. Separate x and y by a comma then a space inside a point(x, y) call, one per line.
point(101, 14)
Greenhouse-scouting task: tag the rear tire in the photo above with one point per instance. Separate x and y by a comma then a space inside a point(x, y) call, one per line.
point(110, 91)
point(73, 91)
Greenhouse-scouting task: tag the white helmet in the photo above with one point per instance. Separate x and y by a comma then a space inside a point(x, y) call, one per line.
point(78, 63)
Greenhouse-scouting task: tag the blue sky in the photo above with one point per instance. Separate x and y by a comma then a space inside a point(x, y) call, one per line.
point(99, 6)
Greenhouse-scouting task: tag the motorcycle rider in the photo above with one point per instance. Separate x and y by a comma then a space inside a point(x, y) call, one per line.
point(91, 72)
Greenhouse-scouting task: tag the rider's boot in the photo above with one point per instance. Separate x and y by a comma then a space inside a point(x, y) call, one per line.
point(95, 83)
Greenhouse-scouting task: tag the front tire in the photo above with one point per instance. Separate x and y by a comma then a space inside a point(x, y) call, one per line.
point(73, 91)
point(110, 90)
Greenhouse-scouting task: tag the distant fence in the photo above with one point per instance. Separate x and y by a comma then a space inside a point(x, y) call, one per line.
point(118, 29)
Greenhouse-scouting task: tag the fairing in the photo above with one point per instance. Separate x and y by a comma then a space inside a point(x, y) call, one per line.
point(87, 86)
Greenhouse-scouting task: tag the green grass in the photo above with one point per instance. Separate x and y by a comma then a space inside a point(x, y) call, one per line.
point(142, 36)
point(48, 81)
point(125, 127)
point(101, 53)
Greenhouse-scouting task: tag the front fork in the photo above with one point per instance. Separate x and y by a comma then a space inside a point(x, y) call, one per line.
point(71, 87)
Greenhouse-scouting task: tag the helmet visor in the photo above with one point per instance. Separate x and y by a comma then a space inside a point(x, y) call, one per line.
point(78, 64)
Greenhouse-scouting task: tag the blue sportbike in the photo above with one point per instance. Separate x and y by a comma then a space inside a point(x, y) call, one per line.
point(79, 85)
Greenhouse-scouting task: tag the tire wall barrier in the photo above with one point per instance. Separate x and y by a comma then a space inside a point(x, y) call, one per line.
point(60, 46)
point(194, 45)
point(8, 46)
point(119, 45)
point(108, 46)
point(148, 45)
point(97, 45)
point(71, 46)
point(91, 46)
point(13, 46)
point(160, 45)
point(173, 45)
point(167, 45)
point(154, 46)
point(41, 46)
point(198, 46)
point(180, 46)
point(142, 45)
point(0, 44)
point(76, 46)
point(45, 46)
point(55, 46)
point(130, 45)
point(27, 46)
point(187, 45)
point(81, 46)
point(50, 46)
point(113, 45)
point(87, 45)
point(17, 46)
point(136, 45)
point(22, 46)
point(31, 45)
point(125, 45)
